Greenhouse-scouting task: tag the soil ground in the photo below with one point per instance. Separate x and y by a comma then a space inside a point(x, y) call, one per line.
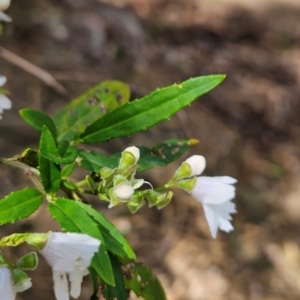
point(248, 128)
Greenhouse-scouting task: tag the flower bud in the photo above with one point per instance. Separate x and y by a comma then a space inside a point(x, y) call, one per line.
point(4, 4)
point(21, 281)
point(124, 191)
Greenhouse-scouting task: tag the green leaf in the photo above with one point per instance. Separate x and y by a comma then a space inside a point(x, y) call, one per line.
point(50, 175)
point(140, 279)
point(117, 292)
point(73, 119)
point(38, 119)
point(19, 205)
point(95, 161)
point(146, 112)
point(72, 218)
point(50, 171)
point(114, 240)
point(160, 155)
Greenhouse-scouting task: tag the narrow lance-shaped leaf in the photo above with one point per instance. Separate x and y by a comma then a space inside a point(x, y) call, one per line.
point(117, 292)
point(114, 240)
point(73, 119)
point(50, 171)
point(73, 218)
point(146, 112)
point(161, 154)
point(19, 205)
point(140, 279)
point(38, 119)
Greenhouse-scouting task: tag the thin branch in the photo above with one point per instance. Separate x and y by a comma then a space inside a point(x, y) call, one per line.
point(41, 74)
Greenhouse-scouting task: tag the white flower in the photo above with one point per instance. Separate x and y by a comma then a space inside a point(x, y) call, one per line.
point(124, 191)
point(4, 4)
point(5, 103)
point(215, 194)
point(69, 254)
point(7, 290)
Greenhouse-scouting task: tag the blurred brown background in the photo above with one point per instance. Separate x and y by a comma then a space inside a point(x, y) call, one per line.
point(249, 128)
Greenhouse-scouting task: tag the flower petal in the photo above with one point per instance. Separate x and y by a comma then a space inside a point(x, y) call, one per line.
point(197, 164)
point(2, 80)
point(61, 289)
point(5, 103)
point(75, 279)
point(218, 216)
point(4, 17)
point(6, 287)
point(64, 251)
point(213, 190)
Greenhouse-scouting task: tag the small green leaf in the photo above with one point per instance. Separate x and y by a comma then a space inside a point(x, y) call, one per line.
point(47, 143)
point(146, 112)
point(50, 175)
point(117, 292)
point(38, 119)
point(19, 205)
point(50, 172)
point(114, 240)
point(73, 119)
point(72, 218)
point(67, 170)
point(140, 279)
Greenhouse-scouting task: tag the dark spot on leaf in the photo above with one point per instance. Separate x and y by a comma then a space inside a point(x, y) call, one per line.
point(142, 287)
point(175, 150)
point(103, 108)
point(106, 90)
point(119, 97)
point(72, 112)
point(92, 101)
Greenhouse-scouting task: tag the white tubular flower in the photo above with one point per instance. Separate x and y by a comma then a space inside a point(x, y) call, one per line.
point(5, 103)
point(69, 254)
point(215, 194)
point(7, 291)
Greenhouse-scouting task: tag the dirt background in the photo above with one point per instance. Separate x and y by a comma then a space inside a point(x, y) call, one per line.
point(249, 128)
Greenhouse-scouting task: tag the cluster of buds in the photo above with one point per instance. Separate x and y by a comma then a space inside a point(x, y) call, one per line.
point(214, 193)
point(119, 185)
point(68, 254)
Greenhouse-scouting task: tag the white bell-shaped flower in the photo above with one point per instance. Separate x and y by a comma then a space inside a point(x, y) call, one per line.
point(7, 290)
point(215, 194)
point(5, 103)
point(69, 254)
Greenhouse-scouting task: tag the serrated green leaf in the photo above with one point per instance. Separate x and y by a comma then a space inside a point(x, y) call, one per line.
point(140, 279)
point(146, 112)
point(117, 292)
point(50, 175)
point(72, 218)
point(38, 119)
point(47, 143)
point(114, 240)
point(19, 205)
point(50, 171)
point(73, 119)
